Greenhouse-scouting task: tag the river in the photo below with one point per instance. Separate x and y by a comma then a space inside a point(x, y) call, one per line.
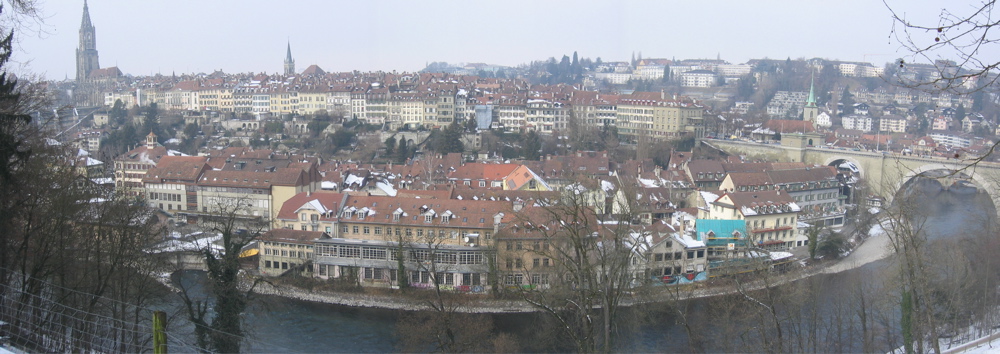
point(277, 324)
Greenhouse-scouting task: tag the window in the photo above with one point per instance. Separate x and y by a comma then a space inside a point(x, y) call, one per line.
point(471, 279)
point(519, 263)
point(267, 264)
point(343, 229)
point(373, 253)
point(482, 183)
point(329, 229)
point(427, 218)
point(284, 253)
point(519, 246)
point(535, 263)
point(510, 246)
point(354, 229)
point(303, 227)
point(378, 230)
point(302, 216)
point(366, 230)
point(545, 262)
point(284, 265)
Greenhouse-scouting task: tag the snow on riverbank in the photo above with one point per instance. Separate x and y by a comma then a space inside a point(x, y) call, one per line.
point(388, 301)
point(875, 247)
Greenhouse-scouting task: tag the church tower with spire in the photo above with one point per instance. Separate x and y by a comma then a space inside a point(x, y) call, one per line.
point(86, 52)
point(810, 111)
point(289, 62)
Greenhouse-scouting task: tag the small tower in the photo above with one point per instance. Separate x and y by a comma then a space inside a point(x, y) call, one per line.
point(289, 62)
point(810, 111)
point(151, 140)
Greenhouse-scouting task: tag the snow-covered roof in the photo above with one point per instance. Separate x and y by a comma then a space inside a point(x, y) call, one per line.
point(708, 196)
point(351, 179)
point(387, 188)
point(648, 183)
point(93, 162)
point(688, 241)
point(777, 256)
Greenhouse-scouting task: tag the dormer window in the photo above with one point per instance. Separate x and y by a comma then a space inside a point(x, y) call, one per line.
point(395, 217)
point(347, 215)
point(428, 218)
point(361, 215)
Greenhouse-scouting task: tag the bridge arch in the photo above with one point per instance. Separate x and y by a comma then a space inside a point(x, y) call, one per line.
point(838, 160)
point(981, 181)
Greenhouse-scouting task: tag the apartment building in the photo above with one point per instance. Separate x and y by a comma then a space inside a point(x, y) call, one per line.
point(440, 240)
point(653, 115)
point(284, 251)
point(771, 216)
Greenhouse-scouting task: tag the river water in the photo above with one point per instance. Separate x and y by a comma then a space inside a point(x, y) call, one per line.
point(283, 325)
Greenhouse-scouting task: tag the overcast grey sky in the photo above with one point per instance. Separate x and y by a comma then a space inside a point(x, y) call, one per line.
point(190, 36)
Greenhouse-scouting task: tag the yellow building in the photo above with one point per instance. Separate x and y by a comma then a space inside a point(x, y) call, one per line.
point(287, 251)
point(653, 115)
point(312, 100)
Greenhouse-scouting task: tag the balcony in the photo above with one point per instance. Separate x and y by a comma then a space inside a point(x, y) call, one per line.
point(758, 230)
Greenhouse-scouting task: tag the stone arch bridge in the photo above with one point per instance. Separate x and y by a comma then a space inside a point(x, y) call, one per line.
point(885, 172)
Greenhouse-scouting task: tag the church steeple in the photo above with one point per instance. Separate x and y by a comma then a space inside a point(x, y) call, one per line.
point(289, 62)
point(86, 52)
point(810, 111)
point(811, 101)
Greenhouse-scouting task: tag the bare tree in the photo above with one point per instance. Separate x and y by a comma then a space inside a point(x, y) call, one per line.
point(964, 36)
point(589, 268)
point(229, 288)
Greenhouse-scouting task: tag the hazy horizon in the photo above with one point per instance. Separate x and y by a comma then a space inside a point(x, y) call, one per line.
point(188, 36)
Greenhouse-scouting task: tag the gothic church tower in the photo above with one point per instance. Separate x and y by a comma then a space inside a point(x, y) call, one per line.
point(86, 53)
point(289, 62)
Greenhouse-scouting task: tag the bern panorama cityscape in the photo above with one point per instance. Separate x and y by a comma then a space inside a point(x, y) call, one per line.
point(634, 202)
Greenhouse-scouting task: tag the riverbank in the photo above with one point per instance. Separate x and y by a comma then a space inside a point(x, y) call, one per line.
point(871, 249)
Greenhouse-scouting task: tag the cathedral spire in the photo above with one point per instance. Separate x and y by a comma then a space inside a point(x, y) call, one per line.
point(86, 17)
point(86, 52)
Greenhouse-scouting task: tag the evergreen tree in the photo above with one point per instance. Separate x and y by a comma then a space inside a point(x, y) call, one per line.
point(390, 145)
point(13, 152)
point(847, 100)
point(151, 123)
point(118, 115)
point(449, 139)
point(402, 151)
point(532, 146)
